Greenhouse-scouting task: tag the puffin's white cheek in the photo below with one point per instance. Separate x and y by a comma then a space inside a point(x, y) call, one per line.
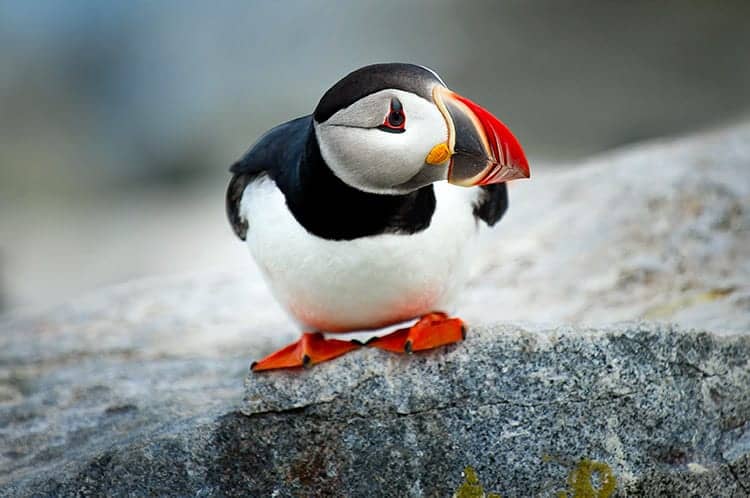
point(400, 159)
point(368, 158)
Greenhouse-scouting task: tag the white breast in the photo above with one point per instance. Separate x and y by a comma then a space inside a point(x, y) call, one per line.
point(366, 283)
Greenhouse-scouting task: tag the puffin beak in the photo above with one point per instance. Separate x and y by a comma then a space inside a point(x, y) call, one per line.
point(481, 149)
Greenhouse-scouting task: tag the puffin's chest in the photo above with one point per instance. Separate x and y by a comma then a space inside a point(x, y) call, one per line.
point(366, 282)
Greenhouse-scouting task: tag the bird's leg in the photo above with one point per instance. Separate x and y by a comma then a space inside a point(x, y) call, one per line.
point(431, 331)
point(311, 348)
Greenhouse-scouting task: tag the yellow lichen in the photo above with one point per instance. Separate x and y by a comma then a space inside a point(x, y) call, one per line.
point(471, 487)
point(579, 481)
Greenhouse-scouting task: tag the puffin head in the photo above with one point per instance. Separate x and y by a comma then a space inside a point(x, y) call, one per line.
point(393, 128)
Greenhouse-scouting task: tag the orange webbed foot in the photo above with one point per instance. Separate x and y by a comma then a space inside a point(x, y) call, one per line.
point(431, 331)
point(310, 349)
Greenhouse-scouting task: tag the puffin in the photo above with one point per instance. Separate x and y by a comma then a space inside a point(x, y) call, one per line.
point(365, 214)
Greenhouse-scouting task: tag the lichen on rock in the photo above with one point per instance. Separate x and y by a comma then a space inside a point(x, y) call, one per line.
point(471, 487)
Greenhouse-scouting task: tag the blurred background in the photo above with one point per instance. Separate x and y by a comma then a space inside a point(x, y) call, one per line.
point(118, 120)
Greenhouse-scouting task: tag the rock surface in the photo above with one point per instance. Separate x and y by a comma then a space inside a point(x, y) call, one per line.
point(666, 409)
point(138, 389)
point(653, 403)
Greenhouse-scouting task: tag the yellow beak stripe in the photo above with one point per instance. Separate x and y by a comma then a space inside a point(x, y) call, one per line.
point(439, 154)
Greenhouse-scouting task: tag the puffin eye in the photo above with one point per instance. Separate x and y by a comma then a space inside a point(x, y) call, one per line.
point(395, 120)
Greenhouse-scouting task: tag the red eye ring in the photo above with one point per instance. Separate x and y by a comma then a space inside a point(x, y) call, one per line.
point(395, 120)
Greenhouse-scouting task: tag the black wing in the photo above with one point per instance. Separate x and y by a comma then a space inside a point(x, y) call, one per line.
point(234, 196)
point(492, 203)
point(272, 154)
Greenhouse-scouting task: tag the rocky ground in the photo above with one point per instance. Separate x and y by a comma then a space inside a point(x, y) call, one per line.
point(138, 389)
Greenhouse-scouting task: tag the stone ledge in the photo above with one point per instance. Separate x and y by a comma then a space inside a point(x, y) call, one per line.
point(662, 407)
point(667, 410)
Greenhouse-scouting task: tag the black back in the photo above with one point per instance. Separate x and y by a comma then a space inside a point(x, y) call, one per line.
point(278, 149)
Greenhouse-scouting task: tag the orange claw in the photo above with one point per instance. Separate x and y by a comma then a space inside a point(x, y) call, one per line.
point(431, 331)
point(308, 350)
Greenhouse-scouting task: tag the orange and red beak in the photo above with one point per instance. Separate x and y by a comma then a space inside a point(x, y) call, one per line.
point(482, 150)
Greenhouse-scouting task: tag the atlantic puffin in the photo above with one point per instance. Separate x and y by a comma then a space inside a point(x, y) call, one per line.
point(355, 216)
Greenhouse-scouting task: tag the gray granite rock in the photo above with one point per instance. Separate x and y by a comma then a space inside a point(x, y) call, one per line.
point(667, 410)
point(137, 390)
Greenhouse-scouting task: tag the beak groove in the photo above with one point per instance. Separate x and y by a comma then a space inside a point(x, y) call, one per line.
point(484, 150)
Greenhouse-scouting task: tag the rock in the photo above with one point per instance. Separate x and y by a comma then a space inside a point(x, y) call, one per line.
point(666, 410)
point(137, 390)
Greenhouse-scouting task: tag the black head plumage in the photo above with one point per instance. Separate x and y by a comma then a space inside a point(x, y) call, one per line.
point(370, 79)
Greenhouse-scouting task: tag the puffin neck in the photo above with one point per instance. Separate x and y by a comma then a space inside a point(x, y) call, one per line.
point(329, 208)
